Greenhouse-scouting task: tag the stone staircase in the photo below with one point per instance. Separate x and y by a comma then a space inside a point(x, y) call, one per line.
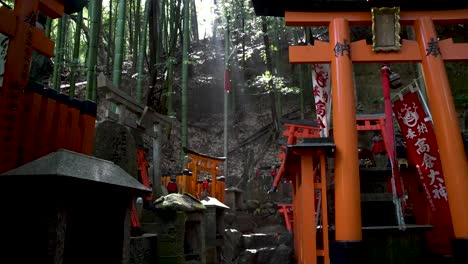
point(264, 248)
point(257, 238)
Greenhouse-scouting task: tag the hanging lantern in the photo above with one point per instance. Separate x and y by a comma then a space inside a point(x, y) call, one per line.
point(395, 80)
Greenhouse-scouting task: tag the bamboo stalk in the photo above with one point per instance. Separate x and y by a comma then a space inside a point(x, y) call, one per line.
point(141, 56)
point(92, 50)
point(119, 44)
point(136, 38)
point(76, 53)
point(111, 39)
point(48, 27)
point(59, 52)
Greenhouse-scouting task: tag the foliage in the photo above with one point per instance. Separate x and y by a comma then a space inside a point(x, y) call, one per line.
point(268, 82)
point(458, 78)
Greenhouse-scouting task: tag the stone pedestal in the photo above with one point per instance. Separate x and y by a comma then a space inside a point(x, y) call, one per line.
point(234, 198)
point(180, 224)
point(214, 229)
point(143, 249)
point(67, 208)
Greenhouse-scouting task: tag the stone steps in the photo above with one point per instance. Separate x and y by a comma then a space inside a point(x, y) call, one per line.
point(259, 240)
point(269, 255)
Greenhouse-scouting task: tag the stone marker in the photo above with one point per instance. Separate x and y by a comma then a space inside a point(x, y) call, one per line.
point(115, 143)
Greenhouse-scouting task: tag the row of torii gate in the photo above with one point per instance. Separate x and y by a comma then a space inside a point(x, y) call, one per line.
point(428, 50)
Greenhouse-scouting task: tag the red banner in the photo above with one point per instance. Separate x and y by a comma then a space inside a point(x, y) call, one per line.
point(421, 144)
point(322, 95)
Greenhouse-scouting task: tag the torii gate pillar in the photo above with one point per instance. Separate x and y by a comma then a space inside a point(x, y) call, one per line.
point(348, 242)
point(447, 130)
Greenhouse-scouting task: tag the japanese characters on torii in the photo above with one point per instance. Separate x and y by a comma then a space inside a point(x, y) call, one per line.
point(416, 131)
point(322, 95)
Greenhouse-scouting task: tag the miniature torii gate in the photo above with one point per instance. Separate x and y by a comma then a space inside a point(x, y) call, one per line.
point(204, 163)
point(429, 51)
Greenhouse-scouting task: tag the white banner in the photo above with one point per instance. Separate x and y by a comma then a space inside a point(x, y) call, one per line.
point(322, 95)
point(3, 52)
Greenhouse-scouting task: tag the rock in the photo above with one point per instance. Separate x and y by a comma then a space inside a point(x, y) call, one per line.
point(286, 239)
point(265, 255)
point(271, 211)
point(276, 219)
point(245, 222)
point(248, 256)
point(232, 245)
point(282, 255)
point(142, 249)
point(182, 202)
point(229, 219)
point(259, 240)
point(272, 229)
point(252, 205)
point(267, 205)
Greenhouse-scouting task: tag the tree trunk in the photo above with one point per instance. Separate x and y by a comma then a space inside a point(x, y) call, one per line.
point(226, 97)
point(299, 70)
point(185, 63)
point(278, 69)
point(269, 65)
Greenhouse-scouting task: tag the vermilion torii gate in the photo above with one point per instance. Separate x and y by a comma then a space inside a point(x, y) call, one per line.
point(339, 15)
point(428, 51)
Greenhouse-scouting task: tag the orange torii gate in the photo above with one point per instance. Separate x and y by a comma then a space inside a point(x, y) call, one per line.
point(35, 121)
point(204, 163)
point(428, 50)
point(295, 171)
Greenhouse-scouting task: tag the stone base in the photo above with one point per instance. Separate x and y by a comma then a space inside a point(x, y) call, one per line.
point(348, 252)
point(143, 249)
point(460, 250)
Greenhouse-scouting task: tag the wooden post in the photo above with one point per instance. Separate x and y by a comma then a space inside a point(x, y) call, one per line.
point(295, 216)
point(323, 181)
point(298, 220)
point(307, 202)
